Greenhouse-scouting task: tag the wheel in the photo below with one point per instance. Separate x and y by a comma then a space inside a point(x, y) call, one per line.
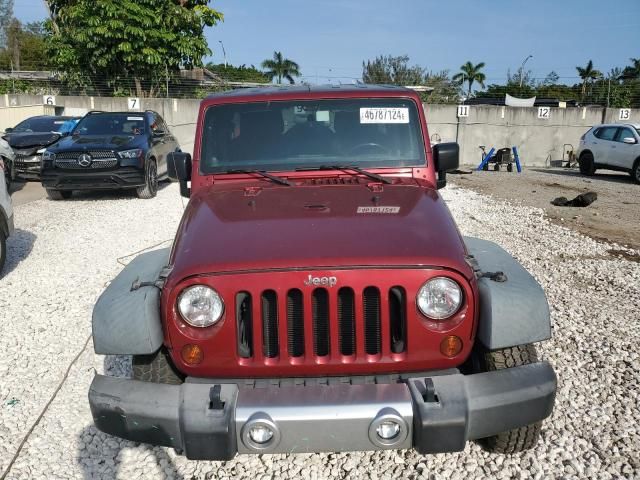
point(522, 438)
point(59, 194)
point(496, 167)
point(150, 187)
point(635, 171)
point(3, 250)
point(587, 164)
point(156, 368)
point(509, 167)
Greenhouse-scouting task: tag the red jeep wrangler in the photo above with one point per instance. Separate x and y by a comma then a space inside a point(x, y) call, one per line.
point(318, 295)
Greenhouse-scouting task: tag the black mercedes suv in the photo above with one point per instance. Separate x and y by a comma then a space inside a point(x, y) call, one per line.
point(110, 150)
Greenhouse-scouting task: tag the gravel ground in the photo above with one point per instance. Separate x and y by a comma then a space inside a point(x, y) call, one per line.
point(64, 252)
point(614, 216)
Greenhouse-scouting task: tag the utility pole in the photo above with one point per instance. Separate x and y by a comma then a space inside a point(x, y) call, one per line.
point(522, 69)
point(166, 72)
point(224, 53)
point(609, 92)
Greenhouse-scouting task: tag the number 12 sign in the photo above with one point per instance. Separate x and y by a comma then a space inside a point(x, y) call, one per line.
point(544, 113)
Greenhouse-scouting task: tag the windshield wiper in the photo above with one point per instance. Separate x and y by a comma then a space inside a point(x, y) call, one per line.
point(371, 175)
point(273, 178)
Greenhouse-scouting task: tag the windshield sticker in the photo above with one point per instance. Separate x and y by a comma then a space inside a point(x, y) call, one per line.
point(58, 122)
point(135, 118)
point(384, 115)
point(378, 209)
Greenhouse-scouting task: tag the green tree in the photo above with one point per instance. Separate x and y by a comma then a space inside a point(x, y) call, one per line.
point(6, 16)
point(390, 70)
point(632, 72)
point(588, 74)
point(281, 68)
point(104, 45)
point(471, 73)
point(26, 47)
point(242, 73)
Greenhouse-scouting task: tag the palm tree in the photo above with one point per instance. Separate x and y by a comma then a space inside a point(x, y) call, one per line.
point(632, 72)
point(280, 68)
point(470, 73)
point(587, 74)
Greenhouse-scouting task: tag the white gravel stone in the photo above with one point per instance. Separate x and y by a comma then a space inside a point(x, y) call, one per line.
point(65, 252)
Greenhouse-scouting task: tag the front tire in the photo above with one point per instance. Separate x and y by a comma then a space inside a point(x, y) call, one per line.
point(519, 439)
point(587, 164)
point(59, 194)
point(150, 187)
point(156, 368)
point(3, 250)
point(635, 171)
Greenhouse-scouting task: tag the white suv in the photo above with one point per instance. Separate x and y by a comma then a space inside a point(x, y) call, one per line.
point(613, 146)
point(6, 209)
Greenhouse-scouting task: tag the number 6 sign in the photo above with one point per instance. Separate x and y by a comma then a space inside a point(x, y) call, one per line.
point(133, 103)
point(48, 99)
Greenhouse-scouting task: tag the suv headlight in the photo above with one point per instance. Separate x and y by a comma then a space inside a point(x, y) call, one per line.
point(200, 306)
point(439, 298)
point(47, 155)
point(135, 153)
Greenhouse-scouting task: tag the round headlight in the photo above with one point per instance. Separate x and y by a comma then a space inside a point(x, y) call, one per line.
point(439, 298)
point(200, 306)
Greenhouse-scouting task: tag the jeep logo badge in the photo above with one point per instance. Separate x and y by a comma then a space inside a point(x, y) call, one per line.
point(85, 160)
point(321, 281)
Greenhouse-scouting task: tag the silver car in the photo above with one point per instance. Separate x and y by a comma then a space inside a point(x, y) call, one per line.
point(6, 209)
point(613, 146)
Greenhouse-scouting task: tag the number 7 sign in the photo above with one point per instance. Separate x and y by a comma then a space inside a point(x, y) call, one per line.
point(133, 103)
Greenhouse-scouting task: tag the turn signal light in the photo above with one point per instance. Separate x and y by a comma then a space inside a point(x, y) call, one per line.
point(192, 354)
point(450, 346)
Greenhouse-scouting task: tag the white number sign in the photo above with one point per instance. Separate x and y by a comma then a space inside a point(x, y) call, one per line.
point(625, 114)
point(544, 112)
point(48, 99)
point(463, 110)
point(384, 115)
point(133, 103)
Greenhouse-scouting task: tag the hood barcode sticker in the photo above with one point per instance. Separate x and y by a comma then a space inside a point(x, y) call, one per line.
point(384, 115)
point(378, 209)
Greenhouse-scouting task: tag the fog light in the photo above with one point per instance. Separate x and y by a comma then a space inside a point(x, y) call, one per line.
point(260, 434)
point(388, 430)
point(192, 354)
point(450, 346)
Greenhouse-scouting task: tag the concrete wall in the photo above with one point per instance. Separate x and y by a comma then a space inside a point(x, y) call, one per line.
point(180, 115)
point(540, 142)
point(10, 116)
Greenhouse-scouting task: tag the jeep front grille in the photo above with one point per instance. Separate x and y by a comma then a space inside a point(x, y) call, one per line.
point(327, 310)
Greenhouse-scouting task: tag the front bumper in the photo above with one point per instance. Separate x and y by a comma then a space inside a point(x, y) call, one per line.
point(123, 177)
point(211, 421)
point(28, 166)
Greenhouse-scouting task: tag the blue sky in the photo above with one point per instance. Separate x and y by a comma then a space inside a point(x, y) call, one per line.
point(331, 38)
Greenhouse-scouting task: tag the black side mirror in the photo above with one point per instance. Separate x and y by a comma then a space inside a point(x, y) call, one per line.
point(8, 130)
point(446, 157)
point(179, 169)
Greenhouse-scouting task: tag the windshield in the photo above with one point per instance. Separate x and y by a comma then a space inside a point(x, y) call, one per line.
point(281, 136)
point(110, 124)
point(45, 124)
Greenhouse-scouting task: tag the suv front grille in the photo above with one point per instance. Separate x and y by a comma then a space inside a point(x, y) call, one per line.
point(100, 159)
point(332, 320)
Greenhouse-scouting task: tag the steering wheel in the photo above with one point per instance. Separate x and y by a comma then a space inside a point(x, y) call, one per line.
point(360, 146)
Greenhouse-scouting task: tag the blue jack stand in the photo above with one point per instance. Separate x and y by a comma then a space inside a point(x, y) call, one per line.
point(486, 159)
point(517, 159)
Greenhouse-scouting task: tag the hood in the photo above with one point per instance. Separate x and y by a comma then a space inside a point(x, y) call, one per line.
point(32, 139)
point(238, 228)
point(86, 142)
